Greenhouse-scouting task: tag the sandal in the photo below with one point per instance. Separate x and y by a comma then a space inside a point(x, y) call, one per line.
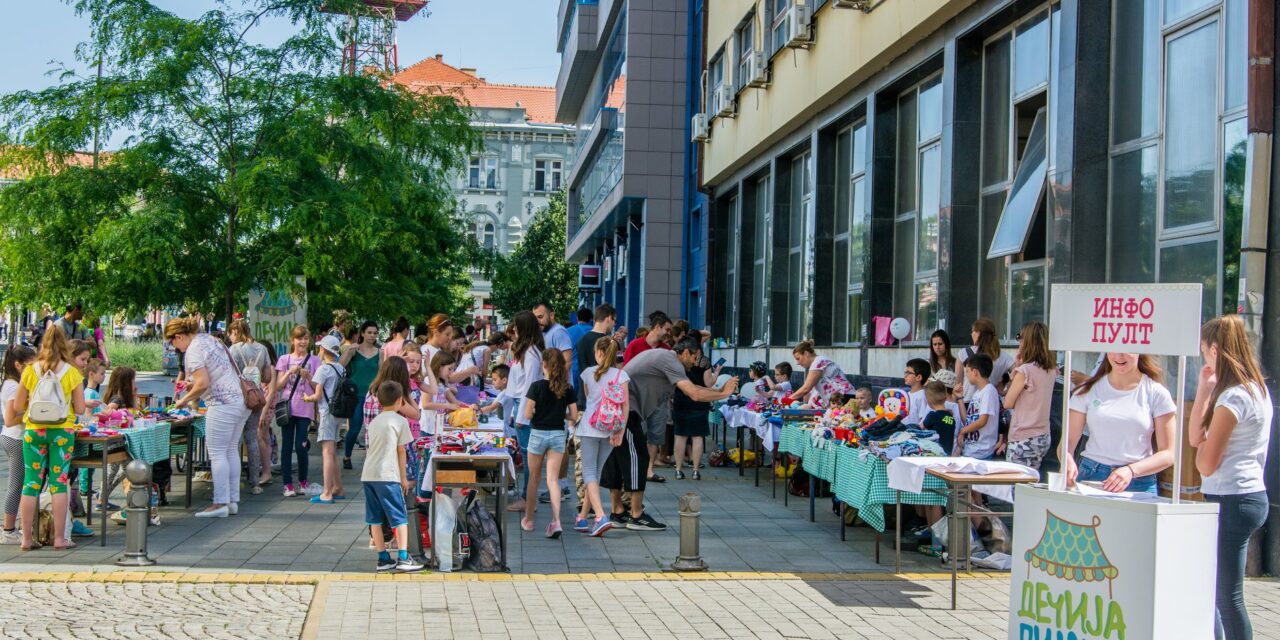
point(65, 547)
point(31, 547)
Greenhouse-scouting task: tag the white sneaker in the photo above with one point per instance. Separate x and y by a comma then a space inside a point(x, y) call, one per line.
point(10, 537)
point(289, 491)
point(220, 512)
point(233, 508)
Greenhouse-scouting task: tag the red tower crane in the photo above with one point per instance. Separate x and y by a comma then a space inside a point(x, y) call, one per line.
point(369, 36)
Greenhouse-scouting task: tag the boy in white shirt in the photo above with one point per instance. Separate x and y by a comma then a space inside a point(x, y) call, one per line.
point(916, 373)
point(980, 437)
point(384, 480)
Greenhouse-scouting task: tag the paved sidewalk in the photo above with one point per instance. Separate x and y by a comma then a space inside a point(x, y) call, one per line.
point(743, 529)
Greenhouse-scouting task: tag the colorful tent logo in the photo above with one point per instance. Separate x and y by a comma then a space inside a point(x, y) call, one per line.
point(1071, 551)
point(276, 303)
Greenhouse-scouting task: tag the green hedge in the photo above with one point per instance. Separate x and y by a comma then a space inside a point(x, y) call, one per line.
point(140, 356)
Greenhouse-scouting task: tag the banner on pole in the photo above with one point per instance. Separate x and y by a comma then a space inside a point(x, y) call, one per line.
point(273, 314)
point(1156, 319)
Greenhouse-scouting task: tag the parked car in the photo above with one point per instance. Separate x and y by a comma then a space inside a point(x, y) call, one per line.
point(133, 332)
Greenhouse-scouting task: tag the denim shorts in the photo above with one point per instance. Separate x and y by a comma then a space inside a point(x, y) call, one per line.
point(1090, 470)
point(544, 440)
point(384, 504)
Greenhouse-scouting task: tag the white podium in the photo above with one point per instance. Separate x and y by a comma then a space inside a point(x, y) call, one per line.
point(1111, 569)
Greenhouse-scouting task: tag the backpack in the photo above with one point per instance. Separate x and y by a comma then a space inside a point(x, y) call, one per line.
point(608, 415)
point(344, 401)
point(486, 542)
point(49, 404)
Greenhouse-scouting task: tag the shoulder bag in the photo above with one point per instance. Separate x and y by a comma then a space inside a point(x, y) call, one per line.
point(254, 399)
point(284, 410)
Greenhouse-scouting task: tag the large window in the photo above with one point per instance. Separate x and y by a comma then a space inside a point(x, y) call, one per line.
point(731, 282)
point(547, 175)
point(1178, 145)
point(760, 264)
point(795, 227)
point(483, 173)
point(918, 198)
point(778, 12)
point(715, 79)
point(745, 43)
point(1017, 130)
point(852, 225)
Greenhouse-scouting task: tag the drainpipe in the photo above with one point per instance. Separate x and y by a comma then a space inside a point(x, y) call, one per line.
point(1258, 250)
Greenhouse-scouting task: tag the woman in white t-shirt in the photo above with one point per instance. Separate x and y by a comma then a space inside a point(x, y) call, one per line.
point(1130, 416)
point(1231, 442)
point(983, 334)
point(16, 359)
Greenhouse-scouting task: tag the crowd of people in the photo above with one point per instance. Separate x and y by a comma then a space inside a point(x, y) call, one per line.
point(619, 405)
point(986, 403)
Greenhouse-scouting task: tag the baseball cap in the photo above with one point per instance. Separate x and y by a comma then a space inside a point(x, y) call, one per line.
point(330, 344)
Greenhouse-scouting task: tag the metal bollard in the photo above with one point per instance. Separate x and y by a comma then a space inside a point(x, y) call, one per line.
point(137, 515)
point(690, 511)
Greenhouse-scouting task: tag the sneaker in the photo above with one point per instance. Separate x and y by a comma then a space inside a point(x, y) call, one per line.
point(78, 530)
point(553, 530)
point(289, 491)
point(645, 523)
point(10, 537)
point(544, 498)
point(110, 506)
point(386, 565)
point(233, 508)
point(602, 525)
point(346, 463)
point(582, 524)
point(408, 565)
point(256, 490)
point(619, 519)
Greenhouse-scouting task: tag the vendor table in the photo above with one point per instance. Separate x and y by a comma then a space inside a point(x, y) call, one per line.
point(958, 488)
point(104, 444)
point(463, 470)
point(184, 434)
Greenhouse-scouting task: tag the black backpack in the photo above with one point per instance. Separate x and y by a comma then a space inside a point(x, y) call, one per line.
point(486, 542)
point(345, 398)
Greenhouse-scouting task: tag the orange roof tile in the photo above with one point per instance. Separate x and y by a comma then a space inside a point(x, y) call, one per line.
point(16, 171)
point(435, 76)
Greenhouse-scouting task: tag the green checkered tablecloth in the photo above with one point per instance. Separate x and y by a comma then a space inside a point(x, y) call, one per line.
point(863, 483)
point(150, 444)
point(820, 462)
point(794, 438)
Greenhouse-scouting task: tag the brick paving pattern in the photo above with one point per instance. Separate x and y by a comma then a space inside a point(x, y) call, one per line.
point(147, 610)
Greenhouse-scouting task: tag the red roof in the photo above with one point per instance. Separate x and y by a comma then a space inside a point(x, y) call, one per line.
point(433, 75)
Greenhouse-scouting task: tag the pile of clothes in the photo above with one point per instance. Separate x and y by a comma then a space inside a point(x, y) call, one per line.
point(907, 442)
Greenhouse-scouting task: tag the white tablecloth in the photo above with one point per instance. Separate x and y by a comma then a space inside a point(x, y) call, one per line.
point(907, 473)
point(742, 417)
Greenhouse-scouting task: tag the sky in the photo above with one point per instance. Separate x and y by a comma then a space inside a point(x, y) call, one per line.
point(508, 41)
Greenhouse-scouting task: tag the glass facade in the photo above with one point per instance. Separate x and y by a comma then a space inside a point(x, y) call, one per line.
point(1170, 174)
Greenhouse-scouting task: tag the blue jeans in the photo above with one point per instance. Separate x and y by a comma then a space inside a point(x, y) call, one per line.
point(1238, 517)
point(1093, 471)
point(522, 437)
point(293, 438)
point(355, 424)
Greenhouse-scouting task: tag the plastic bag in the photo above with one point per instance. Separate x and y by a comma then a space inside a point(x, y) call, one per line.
point(997, 540)
point(446, 515)
point(748, 457)
point(940, 529)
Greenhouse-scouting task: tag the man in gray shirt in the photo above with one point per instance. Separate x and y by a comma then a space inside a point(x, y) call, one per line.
point(655, 375)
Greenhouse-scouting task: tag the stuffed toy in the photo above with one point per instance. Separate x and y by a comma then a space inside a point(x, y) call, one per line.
point(892, 404)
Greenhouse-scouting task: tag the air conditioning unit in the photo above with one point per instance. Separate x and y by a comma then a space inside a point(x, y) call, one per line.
point(799, 35)
point(758, 70)
point(724, 101)
point(701, 132)
point(861, 5)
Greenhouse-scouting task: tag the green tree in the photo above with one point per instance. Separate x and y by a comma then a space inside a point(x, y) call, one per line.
point(244, 163)
point(536, 270)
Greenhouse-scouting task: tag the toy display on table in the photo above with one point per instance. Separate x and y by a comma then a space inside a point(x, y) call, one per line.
point(467, 442)
point(879, 431)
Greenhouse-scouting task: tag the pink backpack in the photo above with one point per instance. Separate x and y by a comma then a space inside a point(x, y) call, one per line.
point(608, 416)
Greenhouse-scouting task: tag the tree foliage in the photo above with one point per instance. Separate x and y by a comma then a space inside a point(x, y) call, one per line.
point(536, 270)
point(244, 163)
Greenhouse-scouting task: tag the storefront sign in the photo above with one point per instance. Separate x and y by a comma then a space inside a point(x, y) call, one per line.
point(1158, 319)
point(589, 276)
point(1103, 569)
point(273, 315)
